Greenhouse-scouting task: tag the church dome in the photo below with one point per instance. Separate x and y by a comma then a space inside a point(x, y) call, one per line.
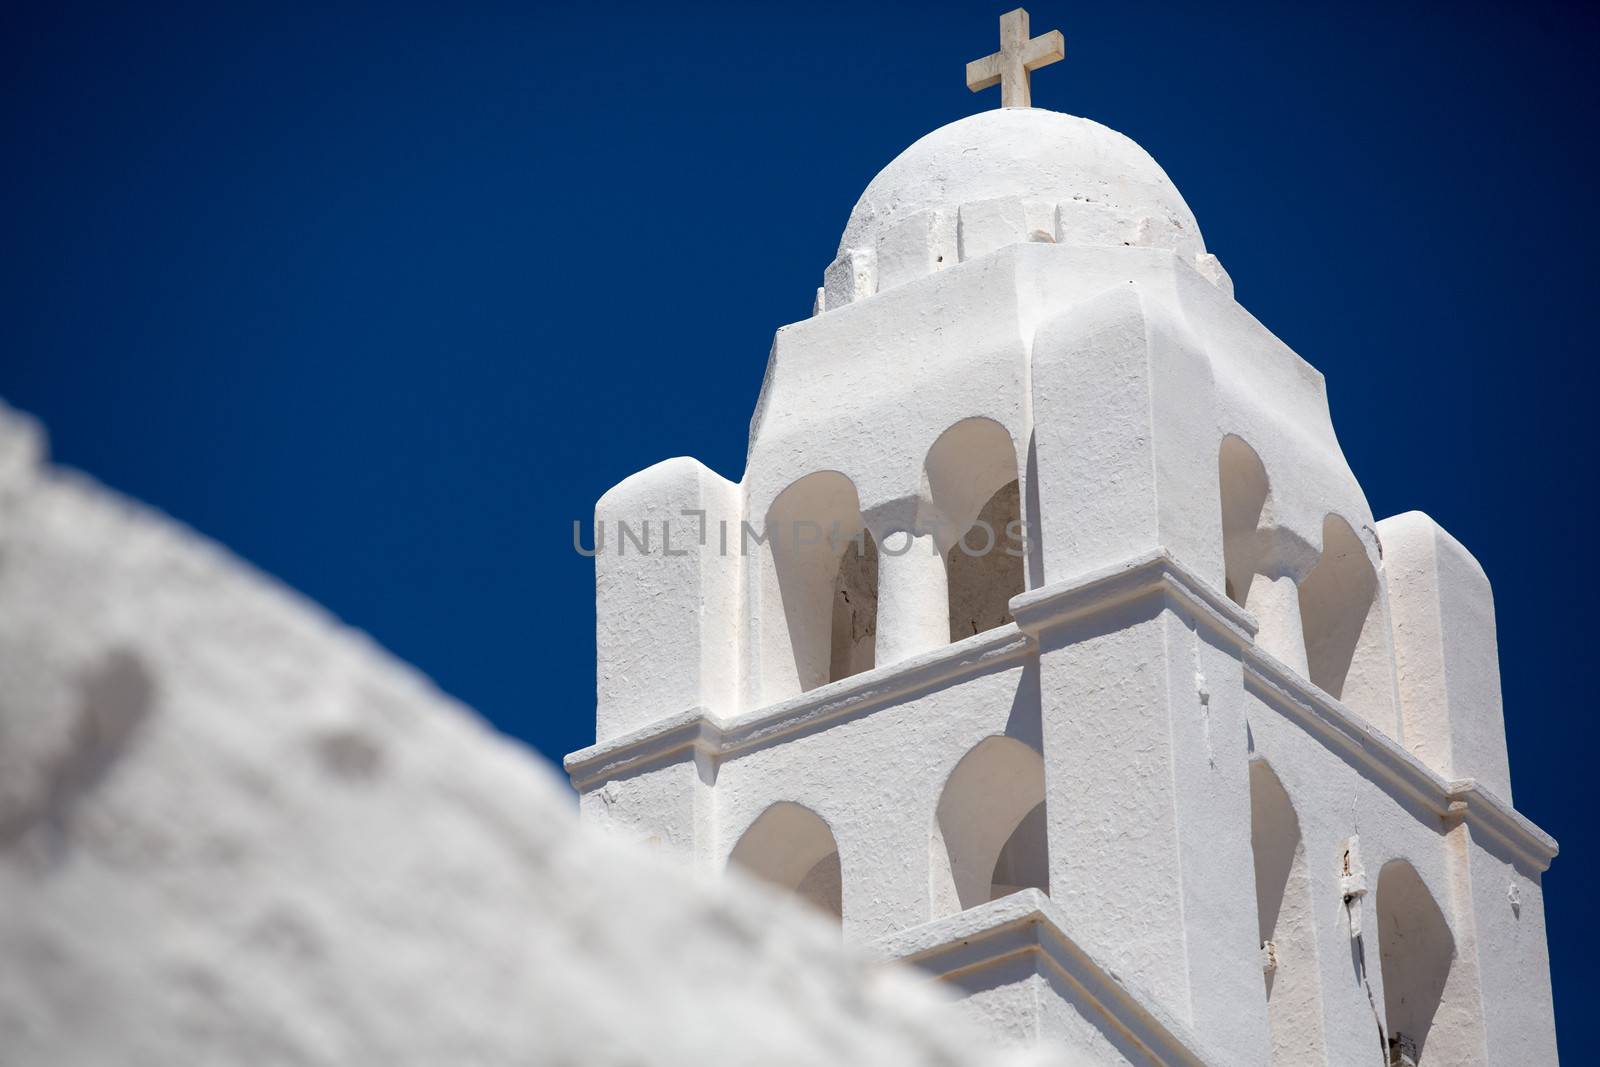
point(1005, 177)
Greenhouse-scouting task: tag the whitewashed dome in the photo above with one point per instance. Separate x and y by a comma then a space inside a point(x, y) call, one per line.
point(1004, 177)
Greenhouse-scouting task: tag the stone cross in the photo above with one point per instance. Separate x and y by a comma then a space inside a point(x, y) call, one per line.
point(1019, 55)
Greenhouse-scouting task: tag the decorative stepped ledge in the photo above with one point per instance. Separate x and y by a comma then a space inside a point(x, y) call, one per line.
point(1365, 747)
point(1029, 926)
point(699, 732)
point(860, 694)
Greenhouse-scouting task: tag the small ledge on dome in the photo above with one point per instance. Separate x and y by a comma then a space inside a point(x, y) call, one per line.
point(851, 277)
point(930, 241)
point(1210, 268)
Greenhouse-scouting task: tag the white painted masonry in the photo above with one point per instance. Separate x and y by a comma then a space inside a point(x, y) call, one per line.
point(1212, 770)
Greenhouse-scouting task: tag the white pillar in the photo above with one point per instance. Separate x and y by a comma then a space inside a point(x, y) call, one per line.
point(1275, 602)
point(913, 598)
point(1442, 617)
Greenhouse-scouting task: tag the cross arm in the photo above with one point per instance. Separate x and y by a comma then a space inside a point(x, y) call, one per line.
point(982, 73)
point(1043, 50)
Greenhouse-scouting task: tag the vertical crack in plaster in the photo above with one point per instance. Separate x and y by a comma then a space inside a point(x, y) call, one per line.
point(1353, 887)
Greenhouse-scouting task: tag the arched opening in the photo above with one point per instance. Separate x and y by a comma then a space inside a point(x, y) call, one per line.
point(1244, 487)
point(827, 574)
point(855, 609)
point(985, 566)
point(1347, 648)
point(989, 836)
point(1286, 923)
point(972, 502)
point(1255, 576)
point(789, 846)
point(1336, 601)
point(1416, 949)
point(1022, 860)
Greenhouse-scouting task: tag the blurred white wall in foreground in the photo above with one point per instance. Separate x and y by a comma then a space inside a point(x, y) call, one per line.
point(233, 831)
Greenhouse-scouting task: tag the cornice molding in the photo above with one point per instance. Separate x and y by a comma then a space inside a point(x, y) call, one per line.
point(700, 729)
point(1030, 924)
point(1038, 613)
point(1347, 734)
point(1053, 606)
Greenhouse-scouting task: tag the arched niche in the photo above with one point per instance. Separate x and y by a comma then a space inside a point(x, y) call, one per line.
point(1417, 951)
point(791, 847)
point(1252, 551)
point(1346, 639)
point(826, 567)
point(1244, 489)
point(989, 833)
point(1285, 922)
point(972, 502)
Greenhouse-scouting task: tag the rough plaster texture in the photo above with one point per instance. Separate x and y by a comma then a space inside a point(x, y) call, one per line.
point(1003, 177)
point(1267, 754)
point(662, 534)
point(233, 831)
point(1446, 652)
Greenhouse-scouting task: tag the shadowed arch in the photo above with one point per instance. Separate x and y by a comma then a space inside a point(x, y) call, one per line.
point(1335, 602)
point(791, 847)
point(1244, 489)
point(1346, 638)
point(1417, 950)
point(1286, 922)
point(1257, 553)
point(854, 635)
point(989, 835)
point(826, 566)
point(972, 501)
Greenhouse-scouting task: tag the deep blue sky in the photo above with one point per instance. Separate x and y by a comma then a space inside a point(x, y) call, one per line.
point(383, 297)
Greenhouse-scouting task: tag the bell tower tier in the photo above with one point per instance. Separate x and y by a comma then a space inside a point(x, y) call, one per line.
point(1048, 642)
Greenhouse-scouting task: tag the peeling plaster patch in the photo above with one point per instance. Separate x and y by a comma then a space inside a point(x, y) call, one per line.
point(1353, 883)
point(1202, 690)
point(1353, 887)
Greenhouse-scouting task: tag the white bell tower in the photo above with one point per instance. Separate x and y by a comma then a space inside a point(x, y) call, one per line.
point(1048, 642)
